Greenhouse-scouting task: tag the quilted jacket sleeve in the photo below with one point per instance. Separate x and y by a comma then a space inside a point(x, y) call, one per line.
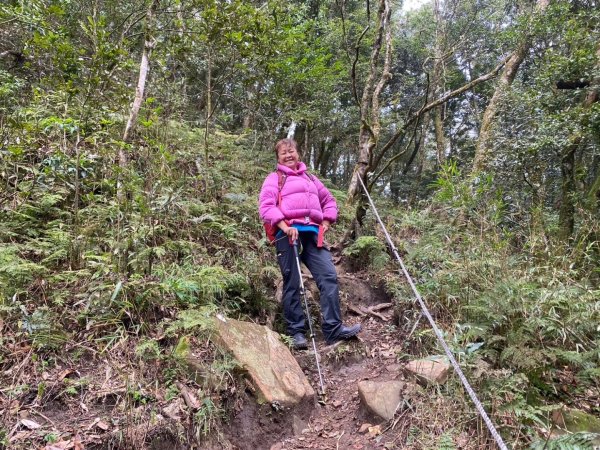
point(327, 200)
point(267, 201)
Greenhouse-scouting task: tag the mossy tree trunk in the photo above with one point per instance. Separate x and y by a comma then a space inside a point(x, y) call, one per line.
point(483, 150)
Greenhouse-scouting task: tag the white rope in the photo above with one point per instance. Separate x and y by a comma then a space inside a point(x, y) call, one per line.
point(437, 331)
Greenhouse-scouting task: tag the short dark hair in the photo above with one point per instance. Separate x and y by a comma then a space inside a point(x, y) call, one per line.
point(285, 143)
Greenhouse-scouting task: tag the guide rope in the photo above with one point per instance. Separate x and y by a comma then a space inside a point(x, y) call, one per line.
point(437, 331)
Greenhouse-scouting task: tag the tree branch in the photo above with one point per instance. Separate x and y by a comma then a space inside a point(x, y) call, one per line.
point(443, 99)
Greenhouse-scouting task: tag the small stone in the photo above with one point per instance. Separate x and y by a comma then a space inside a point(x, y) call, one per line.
point(298, 425)
point(381, 398)
point(172, 410)
point(428, 371)
point(102, 425)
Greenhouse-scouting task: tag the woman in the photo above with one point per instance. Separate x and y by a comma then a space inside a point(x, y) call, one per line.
point(300, 206)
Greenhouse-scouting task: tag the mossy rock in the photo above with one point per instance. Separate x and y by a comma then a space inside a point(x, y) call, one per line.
point(575, 421)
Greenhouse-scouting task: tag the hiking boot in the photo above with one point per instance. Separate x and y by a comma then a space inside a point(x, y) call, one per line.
point(300, 342)
point(345, 333)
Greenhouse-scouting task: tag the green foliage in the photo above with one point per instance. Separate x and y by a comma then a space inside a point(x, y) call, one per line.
point(190, 319)
point(576, 441)
point(530, 318)
point(77, 261)
point(445, 442)
point(15, 272)
point(208, 418)
point(206, 285)
point(44, 329)
point(148, 349)
point(367, 252)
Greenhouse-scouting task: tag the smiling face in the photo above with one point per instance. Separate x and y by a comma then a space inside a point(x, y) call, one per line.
point(287, 155)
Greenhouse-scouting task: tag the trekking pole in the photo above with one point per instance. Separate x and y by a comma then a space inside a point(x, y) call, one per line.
point(310, 328)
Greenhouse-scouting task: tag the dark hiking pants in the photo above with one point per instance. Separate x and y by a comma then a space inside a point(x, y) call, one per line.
point(320, 264)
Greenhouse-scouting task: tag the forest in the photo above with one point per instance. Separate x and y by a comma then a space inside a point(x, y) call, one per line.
point(134, 139)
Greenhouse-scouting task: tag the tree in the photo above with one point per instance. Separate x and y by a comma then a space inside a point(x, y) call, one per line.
point(483, 150)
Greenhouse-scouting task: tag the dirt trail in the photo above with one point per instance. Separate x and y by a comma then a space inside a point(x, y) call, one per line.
point(338, 421)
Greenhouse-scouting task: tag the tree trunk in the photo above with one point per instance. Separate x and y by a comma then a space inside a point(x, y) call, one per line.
point(369, 105)
point(440, 139)
point(139, 94)
point(438, 83)
point(593, 194)
point(420, 145)
point(123, 257)
point(483, 150)
point(143, 75)
point(208, 102)
point(566, 213)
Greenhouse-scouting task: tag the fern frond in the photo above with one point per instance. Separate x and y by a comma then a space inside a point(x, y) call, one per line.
point(577, 441)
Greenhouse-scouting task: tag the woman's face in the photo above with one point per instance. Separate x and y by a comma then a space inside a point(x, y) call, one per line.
point(288, 156)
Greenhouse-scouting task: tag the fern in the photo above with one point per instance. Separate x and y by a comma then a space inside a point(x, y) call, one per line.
point(44, 328)
point(367, 251)
point(190, 319)
point(445, 442)
point(576, 441)
point(15, 271)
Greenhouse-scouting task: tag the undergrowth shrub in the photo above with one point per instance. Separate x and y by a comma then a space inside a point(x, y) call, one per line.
point(367, 252)
point(524, 314)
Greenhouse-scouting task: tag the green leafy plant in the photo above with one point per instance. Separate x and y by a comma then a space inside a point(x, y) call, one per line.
point(208, 418)
point(367, 252)
point(148, 349)
point(575, 441)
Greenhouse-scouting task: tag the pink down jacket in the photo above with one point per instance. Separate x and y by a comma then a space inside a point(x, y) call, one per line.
point(302, 196)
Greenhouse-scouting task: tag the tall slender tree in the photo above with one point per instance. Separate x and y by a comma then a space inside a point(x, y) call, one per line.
point(483, 151)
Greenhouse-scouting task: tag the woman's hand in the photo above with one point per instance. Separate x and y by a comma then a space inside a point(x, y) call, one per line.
point(326, 225)
point(291, 232)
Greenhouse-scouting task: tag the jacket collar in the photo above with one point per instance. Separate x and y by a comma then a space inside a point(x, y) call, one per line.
point(299, 170)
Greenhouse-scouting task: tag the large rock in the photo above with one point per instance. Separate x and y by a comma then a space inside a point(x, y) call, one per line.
point(269, 363)
point(382, 398)
point(428, 371)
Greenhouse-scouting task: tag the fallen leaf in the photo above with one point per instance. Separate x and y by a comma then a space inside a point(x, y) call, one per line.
point(14, 407)
point(102, 425)
point(374, 431)
point(77, 445)
point(364, 427)
point(30, 424)
point(19, 436)
point(172, 411)
point(62, 445)
point(64, 374)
